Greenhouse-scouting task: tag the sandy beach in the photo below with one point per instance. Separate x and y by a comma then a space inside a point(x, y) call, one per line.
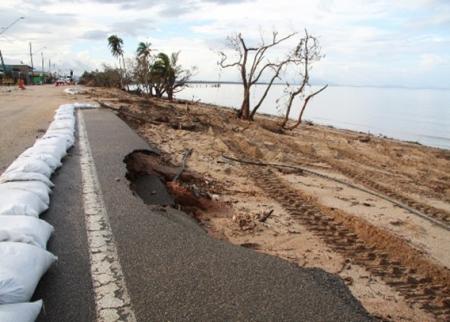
point(205, 160)
point(375, 211)
point(372, 210)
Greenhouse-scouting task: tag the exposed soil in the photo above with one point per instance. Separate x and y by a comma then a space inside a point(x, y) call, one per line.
point(374, 211)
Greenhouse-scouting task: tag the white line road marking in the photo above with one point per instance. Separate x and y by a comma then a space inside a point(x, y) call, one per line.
point(111, 296)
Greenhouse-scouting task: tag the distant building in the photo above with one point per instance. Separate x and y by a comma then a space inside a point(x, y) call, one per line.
point(15, 72)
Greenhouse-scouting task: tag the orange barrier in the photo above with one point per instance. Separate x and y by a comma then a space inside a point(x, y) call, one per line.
point(21, 84)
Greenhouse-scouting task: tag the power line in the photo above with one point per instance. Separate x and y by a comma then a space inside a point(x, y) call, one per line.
point(10, 25)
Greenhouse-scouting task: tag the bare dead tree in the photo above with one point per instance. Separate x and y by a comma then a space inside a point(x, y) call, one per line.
point(305, 54)
point(253, 63)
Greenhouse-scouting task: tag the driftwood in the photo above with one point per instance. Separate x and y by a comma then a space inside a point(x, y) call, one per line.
point(186, 155)
point(265, 215)
point(150, 163)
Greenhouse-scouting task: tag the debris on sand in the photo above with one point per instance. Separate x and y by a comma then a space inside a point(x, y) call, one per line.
point(332, 209)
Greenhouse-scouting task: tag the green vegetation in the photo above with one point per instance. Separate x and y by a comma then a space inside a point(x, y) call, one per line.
point(154, 75)
point(109, 77)
point(115, 44)
point(167, 76)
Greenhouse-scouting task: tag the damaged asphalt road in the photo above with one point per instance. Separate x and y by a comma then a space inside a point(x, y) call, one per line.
point(172, 268)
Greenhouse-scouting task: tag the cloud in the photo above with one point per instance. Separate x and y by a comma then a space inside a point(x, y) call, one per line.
point(133, 27)
point(380, 41)
point(429, 61)
point(95, 34)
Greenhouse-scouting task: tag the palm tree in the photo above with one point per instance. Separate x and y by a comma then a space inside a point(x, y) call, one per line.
point(143, 50)
point(170, 77)
point(161, 70)
point(115, 44)
point(143, 53)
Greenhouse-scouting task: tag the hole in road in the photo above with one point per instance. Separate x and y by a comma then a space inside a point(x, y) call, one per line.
point(151, 176)
point(145, 172)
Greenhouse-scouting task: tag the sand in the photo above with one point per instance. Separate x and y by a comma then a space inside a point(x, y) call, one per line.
point(26, 115)
point(399, 271)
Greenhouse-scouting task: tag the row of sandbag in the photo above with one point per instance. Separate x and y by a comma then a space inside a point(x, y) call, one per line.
point(25, 189)
point(73, 90)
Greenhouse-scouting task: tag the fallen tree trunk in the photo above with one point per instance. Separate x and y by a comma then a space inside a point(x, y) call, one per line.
point(146, 162)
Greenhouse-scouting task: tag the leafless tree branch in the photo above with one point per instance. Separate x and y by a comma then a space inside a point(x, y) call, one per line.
point(305, 103)
point(305, 53)
point(253, 63)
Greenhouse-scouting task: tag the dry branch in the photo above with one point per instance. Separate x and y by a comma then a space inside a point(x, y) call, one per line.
point(253, 63)
point(186, 155)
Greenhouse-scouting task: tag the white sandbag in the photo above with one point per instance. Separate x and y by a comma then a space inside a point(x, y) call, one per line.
point(62, 133)
point(25, 176)
point(55, 140)
point(15, 202)
point(57, 152)
point(37, 187)
point(21, 268)
point(64, 116)
point(61, 124)
point(66, 123)
point(72, 90)
point(67, 113)
point(25, 229)
point(84, 105)
point(51, 161)
point(56, 134)
point(56, 145)
point(66, 107)
point(68, 139)
point(20, 312)
point(30, 164)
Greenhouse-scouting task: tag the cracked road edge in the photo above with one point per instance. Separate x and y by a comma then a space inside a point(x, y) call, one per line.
point(111, 295)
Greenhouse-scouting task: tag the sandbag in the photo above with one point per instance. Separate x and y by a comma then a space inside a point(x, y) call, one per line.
point(57, 140)
point(30, 164)
point(21, 268)
point(37, 187)
point(69, 139)
point(25, 229)
point(84, 105)
point(63, 133)
point(15, 202)
point(65, 112)
point(20, 312)
point(25, 176)
point(51, 161)
point(66, 107)
point(64, 116)
point(72, 91)
point(58, 152)
point(60, 124)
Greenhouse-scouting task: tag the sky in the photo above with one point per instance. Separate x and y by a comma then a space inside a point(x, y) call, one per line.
point(365, 42)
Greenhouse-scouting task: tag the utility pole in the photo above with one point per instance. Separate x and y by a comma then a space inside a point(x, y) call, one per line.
point(42, 56)
point(3, 63)
point(31, 58)
point(2, 31)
